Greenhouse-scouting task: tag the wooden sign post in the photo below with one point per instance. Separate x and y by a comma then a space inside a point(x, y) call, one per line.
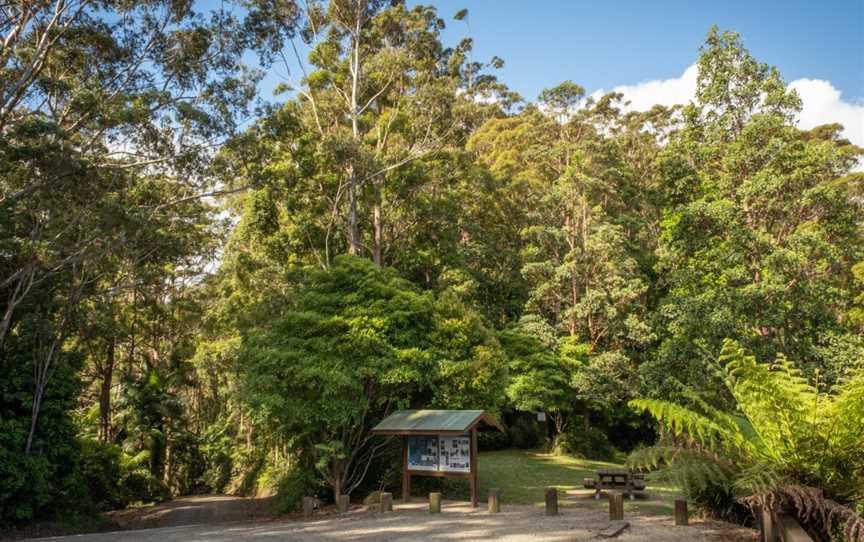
point(438, 443)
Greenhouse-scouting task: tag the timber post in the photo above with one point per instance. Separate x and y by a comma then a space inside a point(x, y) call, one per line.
point(616, 506)
point(386, 502)
point(343, 503)
point(406, 478)
point(493, 500)
point(681, 516)
point(473, 480)
point(551, 501)
point(435, 503)
point(308, 506)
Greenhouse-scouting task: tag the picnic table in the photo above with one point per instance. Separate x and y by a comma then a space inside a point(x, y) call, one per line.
point(625, 480)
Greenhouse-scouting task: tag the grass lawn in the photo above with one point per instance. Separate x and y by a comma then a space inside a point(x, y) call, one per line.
point(523, 475)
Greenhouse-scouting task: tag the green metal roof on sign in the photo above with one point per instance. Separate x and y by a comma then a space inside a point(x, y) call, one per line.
point(424, 422)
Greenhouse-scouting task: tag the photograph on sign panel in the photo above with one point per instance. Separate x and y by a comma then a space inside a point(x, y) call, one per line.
point(423, 453)
point(455, 453)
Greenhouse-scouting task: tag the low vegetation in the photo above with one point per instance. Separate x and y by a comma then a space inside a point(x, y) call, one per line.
point(201, 291)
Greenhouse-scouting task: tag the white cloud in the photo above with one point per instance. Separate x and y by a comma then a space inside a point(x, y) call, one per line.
point(643, 96)
point(823, 104)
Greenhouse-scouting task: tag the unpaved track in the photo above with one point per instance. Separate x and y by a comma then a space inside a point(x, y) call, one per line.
point(412, 523)
point(193, 510)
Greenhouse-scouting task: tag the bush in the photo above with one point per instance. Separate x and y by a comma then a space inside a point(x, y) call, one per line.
point(100, 470)
point(385, 472)
point(717, 500)
point(493, 440)
point(38, 484)
point(372, 499)
point(294, 484)
point(588, 443)
point(526, 433)
point(137, 482)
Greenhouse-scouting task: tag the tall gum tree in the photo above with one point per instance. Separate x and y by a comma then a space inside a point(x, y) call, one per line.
point(377, 94)
point(762, 240)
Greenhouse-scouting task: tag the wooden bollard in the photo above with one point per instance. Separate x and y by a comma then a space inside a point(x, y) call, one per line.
point(493, 500)
point(434, 503)
point(386, 502)
point(343, 502)
point(616, 506)
point(308, 506)
point(767, 528)
point(681, 512)
point(551, 501)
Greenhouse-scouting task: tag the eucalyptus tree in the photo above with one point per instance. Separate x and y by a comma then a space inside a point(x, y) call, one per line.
point(109, 112)
point(762, 231)
point(579, 260)
point(378, 94)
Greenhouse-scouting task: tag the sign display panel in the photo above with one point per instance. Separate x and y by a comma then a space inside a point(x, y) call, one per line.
point(454, 454)
point(423, 453)
point(434, 453)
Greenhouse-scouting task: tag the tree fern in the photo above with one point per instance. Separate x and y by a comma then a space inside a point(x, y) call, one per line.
point(782, 433)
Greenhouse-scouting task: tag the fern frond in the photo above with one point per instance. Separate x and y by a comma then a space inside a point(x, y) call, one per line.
point(759, 477)
point(695, 471)
point(650, 457)
point(683, 421)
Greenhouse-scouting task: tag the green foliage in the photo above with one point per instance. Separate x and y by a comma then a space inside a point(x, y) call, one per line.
point(757, 251)
point(560, 257)
point(493, 440)
point(526, 433)
point(782, 430)
point(100, 466)
point(354, 343)
point(588, 443)
point(293, 484)
point(36, 484)
point(539, 381)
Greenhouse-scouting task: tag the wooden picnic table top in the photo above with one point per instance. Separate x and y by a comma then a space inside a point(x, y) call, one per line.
point(614, 472)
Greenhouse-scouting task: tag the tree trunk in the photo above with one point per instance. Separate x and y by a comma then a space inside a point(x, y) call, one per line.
point(27, 274)
point(105, 395)
point(336, 481)
point(377, 226)
point(354, 233)
point(167, 477)
point(353, 226)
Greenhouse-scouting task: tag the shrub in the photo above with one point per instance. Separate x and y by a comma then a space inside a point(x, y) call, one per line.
point(100, 470)
point(525, 433)
point(294, 484)
point(138, 484)
point(590, 443)
point(46, 480)
point(493, 440)
point(372, 499)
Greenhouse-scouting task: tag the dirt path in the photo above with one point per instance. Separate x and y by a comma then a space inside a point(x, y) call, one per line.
point(194, 510)
point(412, 523)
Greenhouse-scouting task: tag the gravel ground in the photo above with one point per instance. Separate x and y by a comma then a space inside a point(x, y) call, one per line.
point(457, 522)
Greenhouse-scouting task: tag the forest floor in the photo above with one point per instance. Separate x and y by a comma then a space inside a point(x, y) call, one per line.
point(521, 475)
point(458, 521)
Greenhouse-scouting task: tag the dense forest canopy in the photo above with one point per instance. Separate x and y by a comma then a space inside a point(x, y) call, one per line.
point(201, 291)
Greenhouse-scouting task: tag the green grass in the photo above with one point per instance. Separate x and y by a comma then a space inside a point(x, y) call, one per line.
point(523, 475)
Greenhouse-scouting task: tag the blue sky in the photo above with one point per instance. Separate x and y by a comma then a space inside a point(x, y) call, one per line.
point(604, 44)
point(646, 50)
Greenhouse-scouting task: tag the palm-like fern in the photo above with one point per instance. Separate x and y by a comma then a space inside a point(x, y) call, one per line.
point(782, 433)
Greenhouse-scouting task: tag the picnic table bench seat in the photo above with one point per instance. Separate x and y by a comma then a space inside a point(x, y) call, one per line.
point(619, 479)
